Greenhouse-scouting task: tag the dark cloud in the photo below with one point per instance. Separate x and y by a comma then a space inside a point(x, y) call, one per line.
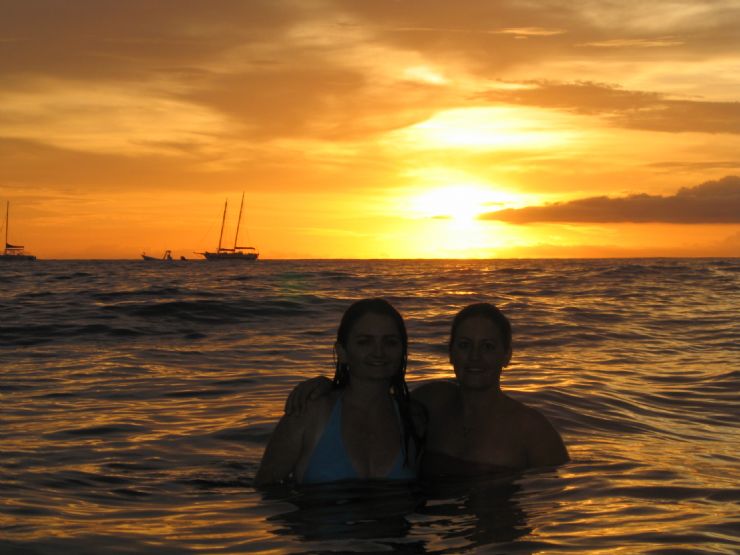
point(475, 34)
point(307, 100)
point(713, 202)
point(238, 58)
point(122, 40)
point(624, 108)
point(283, 86)
point(114, 39)
point(479, 32)
point(109, 39)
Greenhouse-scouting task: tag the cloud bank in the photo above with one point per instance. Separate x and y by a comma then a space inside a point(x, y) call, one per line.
point(713, 202)
point(650, 111)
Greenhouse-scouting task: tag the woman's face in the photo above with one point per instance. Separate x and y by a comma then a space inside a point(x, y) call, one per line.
point(478, 353)
point(374, 348)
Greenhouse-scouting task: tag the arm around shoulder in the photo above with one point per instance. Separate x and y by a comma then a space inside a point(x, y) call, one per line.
point(282, 452)
point(304, 392)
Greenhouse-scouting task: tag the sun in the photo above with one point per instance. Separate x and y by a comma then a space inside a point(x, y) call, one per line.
point(443, 220)
point(461, 203)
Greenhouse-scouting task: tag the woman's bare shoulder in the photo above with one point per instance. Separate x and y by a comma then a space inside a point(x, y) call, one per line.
point(435, 393)
point(526, 417)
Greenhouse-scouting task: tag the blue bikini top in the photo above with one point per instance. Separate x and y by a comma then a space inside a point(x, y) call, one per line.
point(330, 461)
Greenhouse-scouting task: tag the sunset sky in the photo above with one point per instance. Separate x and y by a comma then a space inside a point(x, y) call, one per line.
point(372, 128)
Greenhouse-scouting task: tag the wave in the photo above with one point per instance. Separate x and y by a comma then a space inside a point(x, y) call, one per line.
point(141, 398)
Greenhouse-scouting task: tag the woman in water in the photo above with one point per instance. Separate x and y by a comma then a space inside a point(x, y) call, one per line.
point(363, 427)
point(473, 427)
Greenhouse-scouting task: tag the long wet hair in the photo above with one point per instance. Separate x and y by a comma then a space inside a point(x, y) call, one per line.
point(486, 310)
point(398, 387)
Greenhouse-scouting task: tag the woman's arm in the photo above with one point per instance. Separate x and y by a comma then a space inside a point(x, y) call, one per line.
point(305, 392)
point(544, 445)
point(282, 452)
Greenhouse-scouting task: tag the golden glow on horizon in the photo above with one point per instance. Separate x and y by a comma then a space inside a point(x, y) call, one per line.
point(489, 128)
point(450, 238)
point(463, 203)
point(442, 220)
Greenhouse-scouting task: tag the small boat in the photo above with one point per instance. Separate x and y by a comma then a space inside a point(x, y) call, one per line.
point(235, 253)
point(13, 252)
point(166, 256)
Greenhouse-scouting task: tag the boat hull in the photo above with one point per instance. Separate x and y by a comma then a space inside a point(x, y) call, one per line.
point(17, 257)
point(167, 257)
point(243, 256)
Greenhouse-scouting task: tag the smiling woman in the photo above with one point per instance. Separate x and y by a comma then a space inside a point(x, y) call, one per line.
point(353, 432)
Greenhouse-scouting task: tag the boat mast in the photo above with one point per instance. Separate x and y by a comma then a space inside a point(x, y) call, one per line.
point(239, 222)
point(226, 203)
point(7, 211)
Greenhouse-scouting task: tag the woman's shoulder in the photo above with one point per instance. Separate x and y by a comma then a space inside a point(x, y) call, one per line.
point(529, 419)
point(435, 393)
point(545, 446)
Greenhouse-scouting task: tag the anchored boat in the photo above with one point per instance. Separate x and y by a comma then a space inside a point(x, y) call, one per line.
point(235, 253)
point(13, 252)
point(167, 256)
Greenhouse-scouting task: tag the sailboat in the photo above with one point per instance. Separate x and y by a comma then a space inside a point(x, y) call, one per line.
point(235, 253)
point(13, 252)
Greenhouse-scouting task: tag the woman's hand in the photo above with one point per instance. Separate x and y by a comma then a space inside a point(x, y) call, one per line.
point(305, 392)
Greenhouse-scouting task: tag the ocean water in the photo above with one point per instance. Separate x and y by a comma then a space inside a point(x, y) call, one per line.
point(137, 399)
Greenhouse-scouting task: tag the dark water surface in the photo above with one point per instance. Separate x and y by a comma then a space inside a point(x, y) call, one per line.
point(137, 399)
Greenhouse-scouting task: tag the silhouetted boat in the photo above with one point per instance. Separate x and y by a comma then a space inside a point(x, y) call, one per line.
point(236, 253)
point(166, 257)
point(13, 252)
